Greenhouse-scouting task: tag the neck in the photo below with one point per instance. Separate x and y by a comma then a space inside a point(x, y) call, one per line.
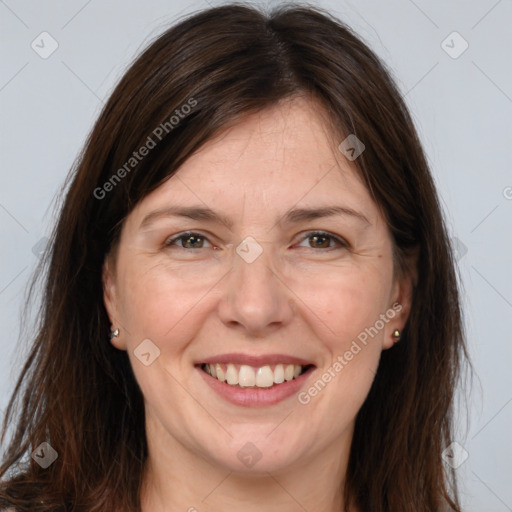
point(176, 478)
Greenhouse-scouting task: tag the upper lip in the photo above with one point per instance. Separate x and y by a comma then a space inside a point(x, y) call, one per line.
point(255, 361)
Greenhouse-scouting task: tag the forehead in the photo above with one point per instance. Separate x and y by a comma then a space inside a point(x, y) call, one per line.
point(269, 160)
point(288, 141)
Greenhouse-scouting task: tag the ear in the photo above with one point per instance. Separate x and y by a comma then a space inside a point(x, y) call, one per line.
point(110, 299)
point(399, 306)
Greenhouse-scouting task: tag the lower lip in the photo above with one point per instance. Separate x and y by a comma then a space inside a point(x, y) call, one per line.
point(254, 397)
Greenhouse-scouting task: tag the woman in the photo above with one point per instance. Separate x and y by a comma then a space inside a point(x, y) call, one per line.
point(250, 296)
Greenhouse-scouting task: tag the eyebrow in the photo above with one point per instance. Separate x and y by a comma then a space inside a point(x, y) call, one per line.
point(190, 212)
point(304, 214)
point(293, 216)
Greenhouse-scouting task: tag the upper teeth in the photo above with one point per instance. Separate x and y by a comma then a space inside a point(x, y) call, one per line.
point(247, 376)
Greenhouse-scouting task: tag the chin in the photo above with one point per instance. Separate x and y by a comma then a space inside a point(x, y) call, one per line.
point(258, 457)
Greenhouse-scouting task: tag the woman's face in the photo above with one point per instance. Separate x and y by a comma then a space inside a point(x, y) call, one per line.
point(263, 251)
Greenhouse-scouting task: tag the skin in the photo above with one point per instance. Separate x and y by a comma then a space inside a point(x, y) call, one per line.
point(302, 296)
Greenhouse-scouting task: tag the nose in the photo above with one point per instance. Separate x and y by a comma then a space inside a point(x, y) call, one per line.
point(255, 299)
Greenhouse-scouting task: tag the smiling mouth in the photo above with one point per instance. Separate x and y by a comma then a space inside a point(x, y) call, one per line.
point(245, 376)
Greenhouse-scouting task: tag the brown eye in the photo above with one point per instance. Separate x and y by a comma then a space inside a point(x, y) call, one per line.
point(321, 240)
point(188, 241)
point(193, 242)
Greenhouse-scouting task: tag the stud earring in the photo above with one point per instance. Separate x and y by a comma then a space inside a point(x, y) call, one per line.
point(114, 334)
point(396, 335)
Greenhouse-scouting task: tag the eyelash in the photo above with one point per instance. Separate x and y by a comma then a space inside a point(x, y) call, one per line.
point(342, 243)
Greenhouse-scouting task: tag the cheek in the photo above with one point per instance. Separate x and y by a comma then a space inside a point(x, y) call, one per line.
point(346, 301)
point(160, 303)
point(349, 309)
point(354, 308)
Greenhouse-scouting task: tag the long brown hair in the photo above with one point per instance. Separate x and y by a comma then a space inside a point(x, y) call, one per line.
point(79, 393)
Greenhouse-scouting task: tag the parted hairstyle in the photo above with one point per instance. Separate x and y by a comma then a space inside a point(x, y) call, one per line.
point(78, 393)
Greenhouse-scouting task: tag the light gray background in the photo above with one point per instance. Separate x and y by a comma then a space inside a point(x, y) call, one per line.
point(462, 107)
